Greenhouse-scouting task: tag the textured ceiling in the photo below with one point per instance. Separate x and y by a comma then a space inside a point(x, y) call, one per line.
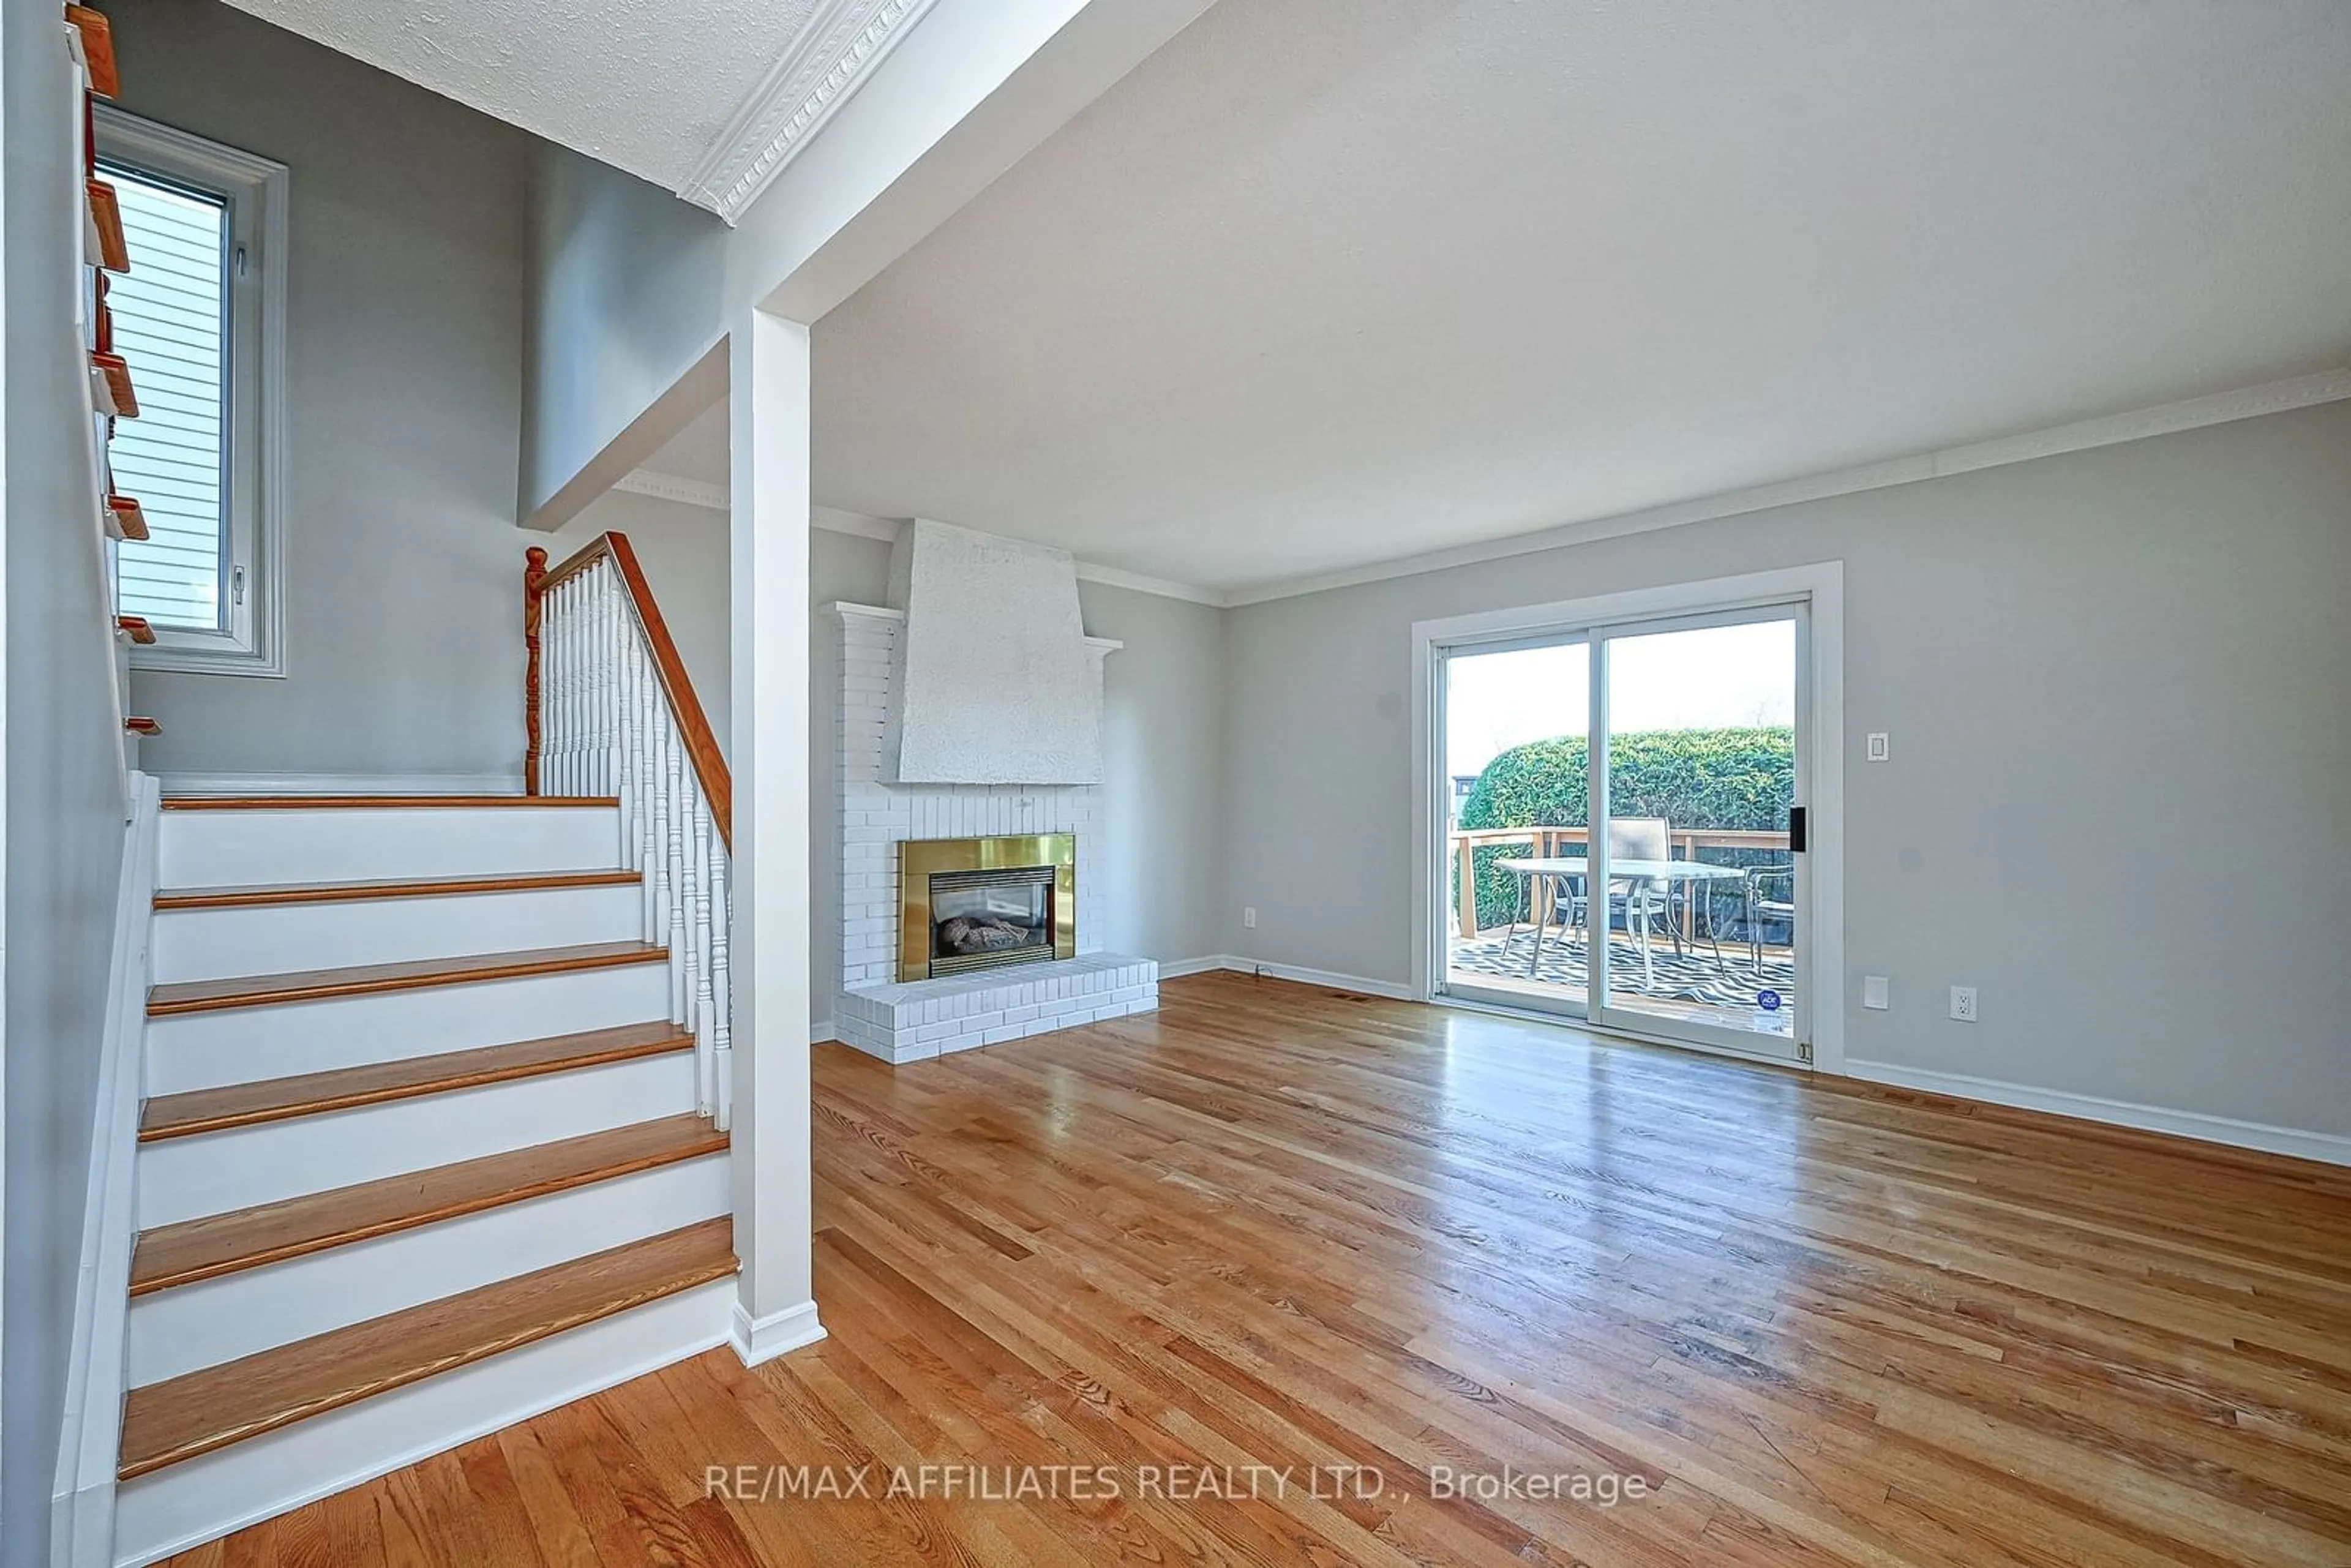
point(1311, 288)
point(646, 86)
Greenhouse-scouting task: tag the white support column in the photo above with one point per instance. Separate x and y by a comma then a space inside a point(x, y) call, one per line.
point(768, 423)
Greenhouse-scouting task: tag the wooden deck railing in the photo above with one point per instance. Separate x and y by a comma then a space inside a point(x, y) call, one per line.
point(1547, 841)
point(608, 709)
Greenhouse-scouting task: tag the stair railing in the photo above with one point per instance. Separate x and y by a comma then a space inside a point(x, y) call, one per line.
point(610, 710)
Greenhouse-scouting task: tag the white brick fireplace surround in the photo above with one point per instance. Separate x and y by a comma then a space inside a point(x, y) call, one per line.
point(913, 1020)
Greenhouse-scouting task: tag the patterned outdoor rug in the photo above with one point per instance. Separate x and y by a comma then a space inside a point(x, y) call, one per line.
point(1694, 976)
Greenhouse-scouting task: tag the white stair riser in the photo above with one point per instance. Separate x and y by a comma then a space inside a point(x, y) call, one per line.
point(240, 1045)
point(276, 939)
point(235, 849)
point(185, 1504)
point(208, 1173)
point(189, 1327)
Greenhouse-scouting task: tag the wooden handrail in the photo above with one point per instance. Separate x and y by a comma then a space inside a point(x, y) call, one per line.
point(693, 727)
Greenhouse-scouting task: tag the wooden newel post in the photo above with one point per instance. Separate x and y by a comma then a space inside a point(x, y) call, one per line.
point(533, 576)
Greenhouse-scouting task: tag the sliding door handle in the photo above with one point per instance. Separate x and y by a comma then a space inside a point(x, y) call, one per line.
point(1795, 829)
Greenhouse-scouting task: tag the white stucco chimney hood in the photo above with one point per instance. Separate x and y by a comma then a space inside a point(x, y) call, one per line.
point(998, 682)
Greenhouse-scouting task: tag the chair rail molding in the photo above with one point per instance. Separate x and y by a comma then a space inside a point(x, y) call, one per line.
point(842, 42)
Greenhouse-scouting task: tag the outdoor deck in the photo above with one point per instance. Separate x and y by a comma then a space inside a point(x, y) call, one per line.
point(1693, 983)
point(1692, 987)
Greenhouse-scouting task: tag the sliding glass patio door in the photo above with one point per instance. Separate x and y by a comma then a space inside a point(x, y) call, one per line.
point(1697, 772)
point(1682, 919)
point(1512, 755)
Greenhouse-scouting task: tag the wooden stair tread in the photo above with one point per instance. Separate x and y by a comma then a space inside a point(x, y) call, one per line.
point(244, 895)
point(163, 1422)
point(366, 979)
point(97, 49)
point(218, 1244)
point(371, 802)
point(130, 518)
point(106, 217)
point(307, 1093)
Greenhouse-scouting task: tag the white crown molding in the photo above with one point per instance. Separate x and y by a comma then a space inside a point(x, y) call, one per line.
point(832, 520)
point(843, 41)
point(673, 488)
point(1136, 582)
point(2165, 419)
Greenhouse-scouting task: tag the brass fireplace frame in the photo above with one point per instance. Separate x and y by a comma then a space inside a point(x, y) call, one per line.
point(918, 858)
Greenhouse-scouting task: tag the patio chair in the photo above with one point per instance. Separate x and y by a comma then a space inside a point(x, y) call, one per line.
point(1756, 905)
point(1640, 899)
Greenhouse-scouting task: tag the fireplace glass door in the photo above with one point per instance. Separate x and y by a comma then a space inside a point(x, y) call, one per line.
point(979, 904)
point(982, 918)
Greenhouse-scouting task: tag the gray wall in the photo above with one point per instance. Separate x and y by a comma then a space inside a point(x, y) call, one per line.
point(2120, 795)
point(684, 552)
point(403, 394)
point(628, 288)
point(65, 802)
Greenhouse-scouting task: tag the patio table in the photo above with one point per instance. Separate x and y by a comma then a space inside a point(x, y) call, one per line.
point(1639, 871)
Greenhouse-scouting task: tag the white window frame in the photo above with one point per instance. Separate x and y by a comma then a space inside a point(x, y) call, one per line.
point(254, 189)
point(1821, 586)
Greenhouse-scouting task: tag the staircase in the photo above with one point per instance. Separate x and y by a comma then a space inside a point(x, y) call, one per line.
point(421, 1155)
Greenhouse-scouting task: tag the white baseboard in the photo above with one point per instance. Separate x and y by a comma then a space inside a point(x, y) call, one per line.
point(81, 1507)
point(1174, 968)
point(821, 1032)
point(2330, 1147)
point(764, 1339)
point(1394, 990)
point(263, 783)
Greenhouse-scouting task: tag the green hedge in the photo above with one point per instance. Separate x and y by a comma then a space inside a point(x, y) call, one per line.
point(1692, 778)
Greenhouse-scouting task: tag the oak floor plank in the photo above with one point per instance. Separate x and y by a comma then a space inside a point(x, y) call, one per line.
point(1826, 1324)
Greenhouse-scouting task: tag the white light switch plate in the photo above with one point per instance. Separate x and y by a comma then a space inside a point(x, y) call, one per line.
point(1873, 991)
point(1880, 746)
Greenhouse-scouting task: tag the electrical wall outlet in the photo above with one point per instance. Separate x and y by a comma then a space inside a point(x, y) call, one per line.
point(1873, 992)
point(1963, 1003)
point(1248, 917)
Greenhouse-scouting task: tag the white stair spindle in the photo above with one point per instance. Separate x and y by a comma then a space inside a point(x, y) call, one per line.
point(558, 685)
point(674, 820)
point(721, 1064)
point(697, 935)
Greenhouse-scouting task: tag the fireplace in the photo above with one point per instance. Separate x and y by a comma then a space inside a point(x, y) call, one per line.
point(986, 904)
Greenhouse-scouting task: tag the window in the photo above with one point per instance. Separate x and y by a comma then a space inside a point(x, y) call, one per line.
point(199, 316)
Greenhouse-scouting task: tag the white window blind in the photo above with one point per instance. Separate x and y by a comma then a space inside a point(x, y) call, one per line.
point(171, 322)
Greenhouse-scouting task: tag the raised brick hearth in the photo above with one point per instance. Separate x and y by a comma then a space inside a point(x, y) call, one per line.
point(908, 1021)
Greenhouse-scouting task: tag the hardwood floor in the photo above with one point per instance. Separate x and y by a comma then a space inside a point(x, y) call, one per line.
point(1275, 1225)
